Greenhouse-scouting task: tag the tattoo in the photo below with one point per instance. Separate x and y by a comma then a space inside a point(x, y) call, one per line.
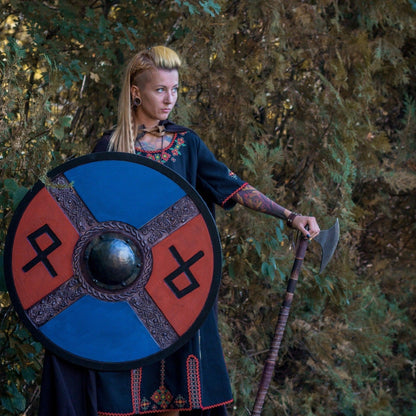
point(254, 199)
point(156, 143)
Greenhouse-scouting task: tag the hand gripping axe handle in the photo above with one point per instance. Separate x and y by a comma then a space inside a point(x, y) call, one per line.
point(328, 240)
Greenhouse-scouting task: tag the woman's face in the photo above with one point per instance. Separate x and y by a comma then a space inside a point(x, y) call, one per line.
point(158, 93)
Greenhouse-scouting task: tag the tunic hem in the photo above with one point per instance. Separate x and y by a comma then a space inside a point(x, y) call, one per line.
point(189, 409)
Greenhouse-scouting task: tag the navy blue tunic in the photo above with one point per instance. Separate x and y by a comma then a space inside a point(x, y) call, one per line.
point(194, 377)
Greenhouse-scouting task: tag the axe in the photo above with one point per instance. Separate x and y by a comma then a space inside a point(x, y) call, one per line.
point(328, 240)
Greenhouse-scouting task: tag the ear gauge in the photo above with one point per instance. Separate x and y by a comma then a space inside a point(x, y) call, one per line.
point(136, 102)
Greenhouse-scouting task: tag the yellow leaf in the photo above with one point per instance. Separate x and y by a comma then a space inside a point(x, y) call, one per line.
point(95, 77)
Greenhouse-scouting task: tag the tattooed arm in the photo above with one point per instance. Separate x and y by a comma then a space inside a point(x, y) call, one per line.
point(252, 198)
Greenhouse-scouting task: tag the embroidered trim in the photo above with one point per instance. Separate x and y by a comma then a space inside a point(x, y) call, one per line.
point(115, 414)
point(161, 399)
point(145, 404)
point(136, 379)
point(180, 402)
point(162, 396)
point(235, 192)
point(140, 150)
point(217, 405)
point(194, 382)
point(167, 153)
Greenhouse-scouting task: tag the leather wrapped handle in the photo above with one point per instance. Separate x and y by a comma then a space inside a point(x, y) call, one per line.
point(270, 363)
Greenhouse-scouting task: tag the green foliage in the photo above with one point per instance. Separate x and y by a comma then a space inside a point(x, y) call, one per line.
point(210, 7)
point(20, 363)
point(28, 136)
point(313, 103)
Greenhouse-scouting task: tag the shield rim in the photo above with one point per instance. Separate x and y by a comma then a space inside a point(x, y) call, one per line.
point(212, 230)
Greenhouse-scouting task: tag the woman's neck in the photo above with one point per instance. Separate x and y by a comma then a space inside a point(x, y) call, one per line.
point(140, 120)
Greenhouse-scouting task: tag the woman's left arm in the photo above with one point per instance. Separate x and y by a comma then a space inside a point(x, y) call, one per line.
point(250, 197)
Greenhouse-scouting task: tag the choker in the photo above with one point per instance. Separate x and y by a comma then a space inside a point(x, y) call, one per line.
point(158, 131)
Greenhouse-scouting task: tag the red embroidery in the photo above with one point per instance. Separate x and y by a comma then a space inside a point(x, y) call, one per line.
point(180, 402)
point(194, 382)
point(162, 397)
point(165, 154)
point(145, 404)
point(235, 192)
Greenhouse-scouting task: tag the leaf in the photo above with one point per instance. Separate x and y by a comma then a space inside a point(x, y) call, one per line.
point(11, 185)
point(279, 234)
point(257, 245)
point(18, 195)
point(29, 374)
point(271, 271)
point(15, 400)
point(210, 7)
point(89, 13)
point(65, 121)
point(231, 270)
point(15, 191)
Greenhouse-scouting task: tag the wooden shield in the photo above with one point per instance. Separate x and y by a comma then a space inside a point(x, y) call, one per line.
point(115, 264)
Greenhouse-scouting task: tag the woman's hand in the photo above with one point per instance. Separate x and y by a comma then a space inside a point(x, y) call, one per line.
point(308, 226)
point(254, 199)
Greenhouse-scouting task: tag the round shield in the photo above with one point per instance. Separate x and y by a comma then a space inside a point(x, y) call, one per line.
point(113, 264)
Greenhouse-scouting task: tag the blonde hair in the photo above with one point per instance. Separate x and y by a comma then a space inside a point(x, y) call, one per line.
point(157, 57)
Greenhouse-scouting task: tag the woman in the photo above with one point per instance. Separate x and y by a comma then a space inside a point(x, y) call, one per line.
point(193, 380)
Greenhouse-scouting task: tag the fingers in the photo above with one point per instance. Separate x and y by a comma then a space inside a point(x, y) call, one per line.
point(308, 226)
point(313, 227)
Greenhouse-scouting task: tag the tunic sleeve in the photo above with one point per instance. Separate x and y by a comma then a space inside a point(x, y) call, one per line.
point(102, 144)
point(215, 179)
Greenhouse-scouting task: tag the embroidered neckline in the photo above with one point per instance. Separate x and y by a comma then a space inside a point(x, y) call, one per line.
point(170, 152)
point(162, 149)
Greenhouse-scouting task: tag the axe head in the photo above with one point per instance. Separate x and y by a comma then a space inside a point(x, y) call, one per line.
point(328, 240)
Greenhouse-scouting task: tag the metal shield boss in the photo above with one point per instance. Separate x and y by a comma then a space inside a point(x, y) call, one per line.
point(114, 265)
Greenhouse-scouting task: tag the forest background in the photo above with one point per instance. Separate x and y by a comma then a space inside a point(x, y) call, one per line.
point(313, 102)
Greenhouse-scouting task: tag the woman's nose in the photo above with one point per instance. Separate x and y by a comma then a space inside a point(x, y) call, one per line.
point(169, 96)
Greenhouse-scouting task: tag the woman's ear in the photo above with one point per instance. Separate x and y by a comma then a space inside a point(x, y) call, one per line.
point(135, 92)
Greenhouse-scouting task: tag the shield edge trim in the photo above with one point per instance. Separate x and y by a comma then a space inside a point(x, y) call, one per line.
point(212, 229)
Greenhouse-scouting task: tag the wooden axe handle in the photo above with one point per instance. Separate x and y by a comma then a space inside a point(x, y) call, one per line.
point(270, 363)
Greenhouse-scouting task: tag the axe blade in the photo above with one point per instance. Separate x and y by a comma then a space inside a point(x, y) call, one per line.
point(328, 240)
